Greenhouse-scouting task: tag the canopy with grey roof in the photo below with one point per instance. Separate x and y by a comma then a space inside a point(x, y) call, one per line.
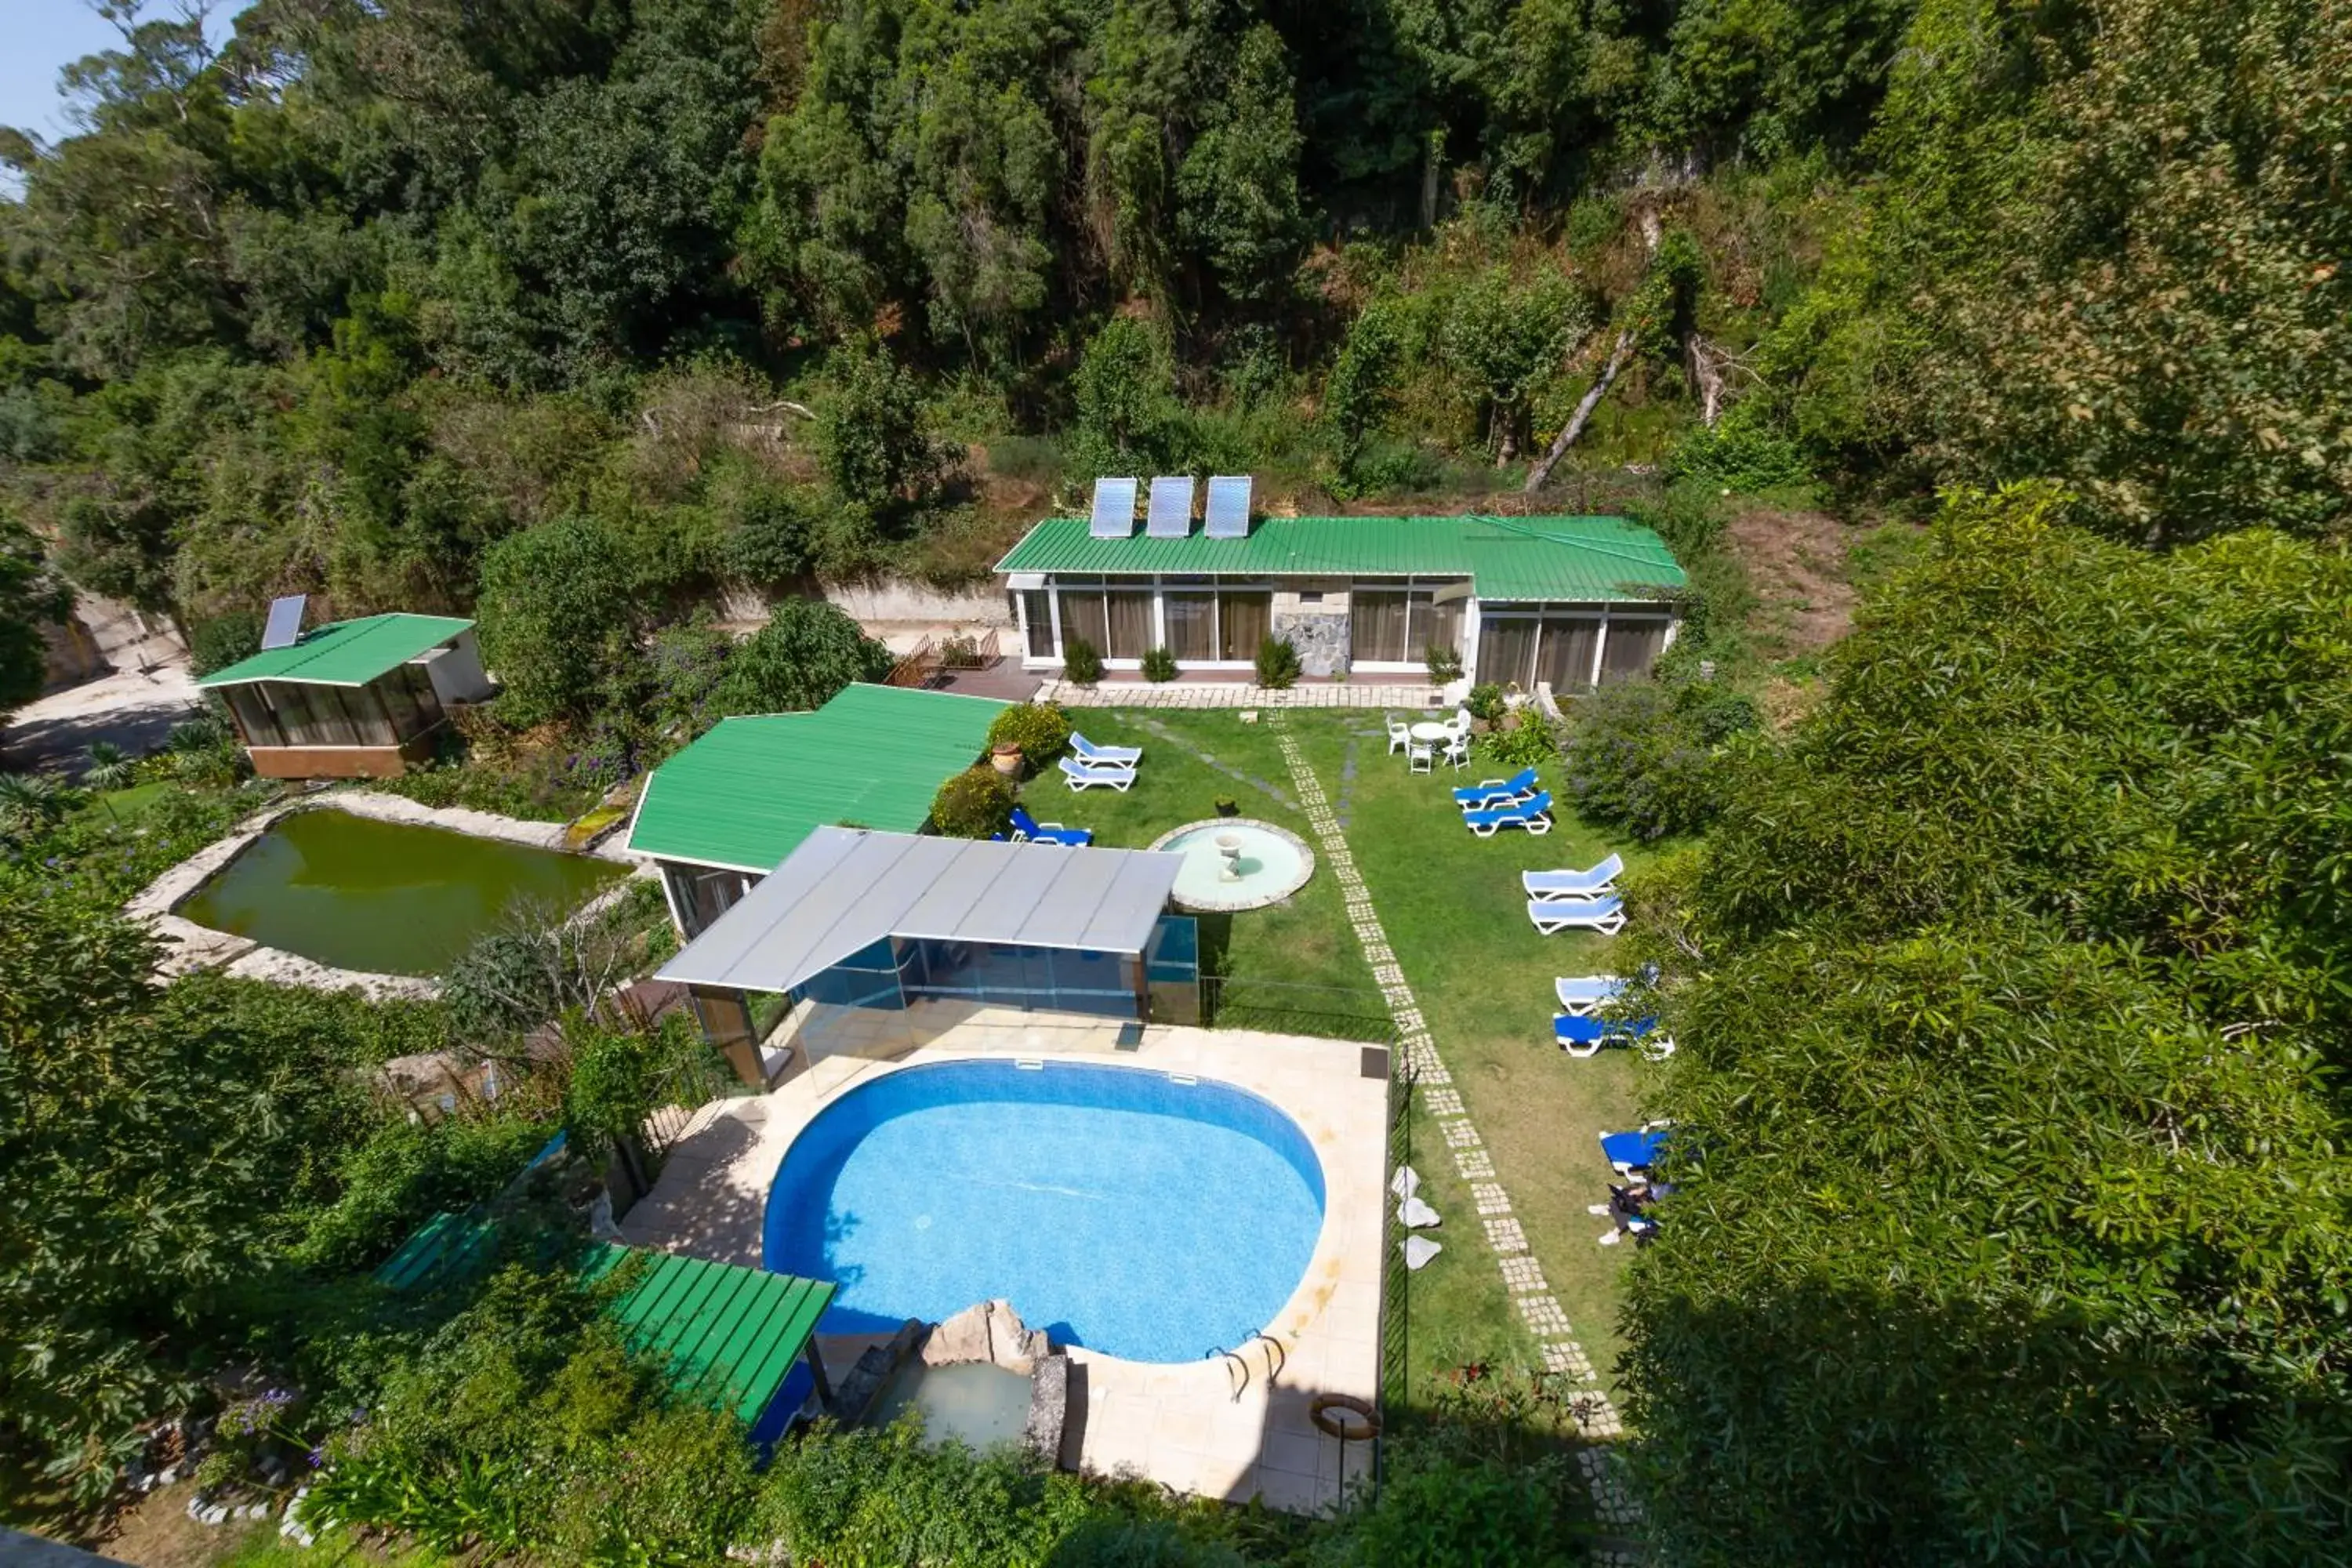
point(844, 890)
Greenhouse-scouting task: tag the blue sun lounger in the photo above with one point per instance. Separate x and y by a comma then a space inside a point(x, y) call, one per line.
point(1585, 884)
point(1027, 828)
point(1096, 756)
point(1490, 793)
point(1533, 814)
point(1585, 1036)
point(1632, 1152)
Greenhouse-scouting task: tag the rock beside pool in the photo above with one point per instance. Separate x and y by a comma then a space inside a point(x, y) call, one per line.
point(992, 1333)
point(1049, 1405)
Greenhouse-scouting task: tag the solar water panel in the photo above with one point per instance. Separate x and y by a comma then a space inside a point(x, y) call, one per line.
point(1169, 515)
point(1229, 507)
point(1114, 514)
point(285, 628)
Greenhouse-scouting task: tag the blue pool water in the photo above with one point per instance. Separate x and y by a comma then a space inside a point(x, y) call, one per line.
point(1112, 1206)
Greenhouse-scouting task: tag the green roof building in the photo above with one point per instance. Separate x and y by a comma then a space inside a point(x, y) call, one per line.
point(724, 813)
point(1575, 601)
point(354, 698)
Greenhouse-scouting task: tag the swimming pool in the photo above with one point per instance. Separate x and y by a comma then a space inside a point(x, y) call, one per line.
point(1115, 1207)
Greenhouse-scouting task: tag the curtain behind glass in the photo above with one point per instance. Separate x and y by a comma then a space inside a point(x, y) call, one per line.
point(1632, 648)
point(1376, 626)
point(1082, 617)
point(1441, 627)
point(1242, 621)
point(1130, 623)
point(1192, 624)
point(1567, 651)
point(1040, 611)
point(1505, 650)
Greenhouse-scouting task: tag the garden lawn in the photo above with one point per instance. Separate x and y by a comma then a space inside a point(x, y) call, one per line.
point(1454, 914)
point(1305, 941)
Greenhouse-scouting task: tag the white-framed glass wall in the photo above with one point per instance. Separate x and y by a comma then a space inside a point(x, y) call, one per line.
point(1394, 622)
point(1574, 646)
point(1206, 622)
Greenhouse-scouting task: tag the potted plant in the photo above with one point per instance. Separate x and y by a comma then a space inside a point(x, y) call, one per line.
point(1228, 807)
point(1005, 758)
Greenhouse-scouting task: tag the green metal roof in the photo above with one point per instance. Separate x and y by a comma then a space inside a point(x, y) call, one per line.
point(1551, 558)
point(745, 794)
point(345, 653)
point(728, 1334)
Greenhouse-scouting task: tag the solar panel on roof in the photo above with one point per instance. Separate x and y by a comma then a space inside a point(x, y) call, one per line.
point(1171, 512)
point(1229, 507)
point(1114, 514)
point(285, 628)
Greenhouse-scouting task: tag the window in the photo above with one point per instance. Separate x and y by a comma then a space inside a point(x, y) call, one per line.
point(1400, 626)
point(1191, 616)
point(1565, 657)
point(702, 894)
point(1116, 619)
point(254, 715)
point(1037, 608)
point(1632, 648)
point(1506, 650)
point(1245, 616)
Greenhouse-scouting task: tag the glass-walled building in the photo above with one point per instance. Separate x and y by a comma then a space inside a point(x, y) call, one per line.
point(1574, 602)
point(352, 699)
point(873, 923)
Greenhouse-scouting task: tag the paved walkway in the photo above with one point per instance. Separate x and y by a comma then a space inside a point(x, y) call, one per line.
point(1219, 694)
point(1522, 1277)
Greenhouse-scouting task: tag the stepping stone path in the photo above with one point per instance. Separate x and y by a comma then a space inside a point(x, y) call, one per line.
point(1522, 1279)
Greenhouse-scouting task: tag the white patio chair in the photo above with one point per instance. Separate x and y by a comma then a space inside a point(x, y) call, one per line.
point(1400, 736)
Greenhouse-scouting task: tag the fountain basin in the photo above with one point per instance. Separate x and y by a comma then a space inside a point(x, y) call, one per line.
point(1267, 863)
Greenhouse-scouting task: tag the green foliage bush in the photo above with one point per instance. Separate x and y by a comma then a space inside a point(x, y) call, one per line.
point(1041, 730)
point(801, 659)
point(558, 617)
point(2045, 870)
point(1531, 743)
point(1485, 701)
point(407, 1172)
point(1444, 665)
point(1159, 664)
point(217, 643)
point(974, 804)
point(1645, 757)
point(1742, 451)
point(1277, 663)
point(1081, 665)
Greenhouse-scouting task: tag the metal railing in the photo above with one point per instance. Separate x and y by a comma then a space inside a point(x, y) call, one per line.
point(1279, 1008)
point(1396, 1288)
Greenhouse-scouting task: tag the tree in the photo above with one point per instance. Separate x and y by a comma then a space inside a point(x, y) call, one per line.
point(1128, 418)
point(869, 432)
point(805, 654)
point(2010, 998)
point(30, 598)
point(557, 618)
point(1239, 184)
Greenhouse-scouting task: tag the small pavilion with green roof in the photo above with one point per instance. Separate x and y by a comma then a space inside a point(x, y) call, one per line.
point(356, 698)
point(727, 809)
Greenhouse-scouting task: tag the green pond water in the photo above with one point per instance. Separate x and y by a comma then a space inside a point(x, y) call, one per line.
point(385, 896)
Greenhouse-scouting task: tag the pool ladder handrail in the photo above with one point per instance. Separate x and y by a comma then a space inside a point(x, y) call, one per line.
point(1276, 1359)
point(1234, 1357)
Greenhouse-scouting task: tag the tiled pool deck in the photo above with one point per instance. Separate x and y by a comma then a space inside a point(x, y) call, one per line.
point(1179, 1425)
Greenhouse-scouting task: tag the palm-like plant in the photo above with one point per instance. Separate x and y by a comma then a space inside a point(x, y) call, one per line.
point(110, 769)
point(28, 803)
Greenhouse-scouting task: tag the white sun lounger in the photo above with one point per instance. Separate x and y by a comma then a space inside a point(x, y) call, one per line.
point(1583, 995)
point(1081, 776)
point(1552, 916)
point(1589, 883)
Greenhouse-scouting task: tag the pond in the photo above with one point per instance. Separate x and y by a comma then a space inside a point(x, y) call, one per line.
point(388, 898)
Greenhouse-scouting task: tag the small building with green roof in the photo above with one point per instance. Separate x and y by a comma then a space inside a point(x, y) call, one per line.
point(1574, 602)
point(356, 698)
point(726, 810)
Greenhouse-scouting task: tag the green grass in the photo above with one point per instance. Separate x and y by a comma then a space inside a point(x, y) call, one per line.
point(1304, 941)
point(1454, 914)
point(125, 804)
